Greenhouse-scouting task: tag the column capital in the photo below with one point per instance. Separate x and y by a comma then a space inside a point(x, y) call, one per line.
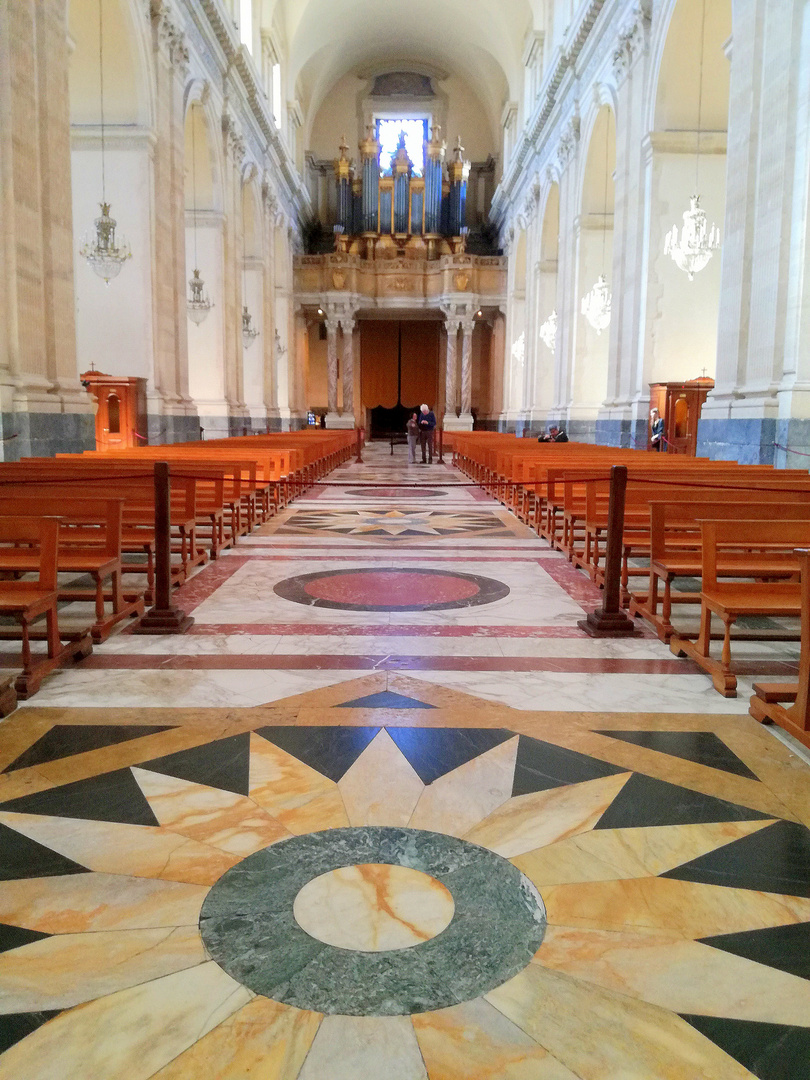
point(633, 39)
point(169, 37)
point(569, 142)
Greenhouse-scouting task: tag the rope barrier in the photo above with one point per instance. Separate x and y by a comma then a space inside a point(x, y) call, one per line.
point(788, 450)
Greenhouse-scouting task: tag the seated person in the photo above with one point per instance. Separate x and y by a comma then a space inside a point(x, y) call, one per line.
point(554, 434)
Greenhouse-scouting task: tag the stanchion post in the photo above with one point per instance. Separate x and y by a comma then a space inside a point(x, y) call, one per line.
point(359, 458)
point(441, 446)
point(163, 617)
point(610, 620)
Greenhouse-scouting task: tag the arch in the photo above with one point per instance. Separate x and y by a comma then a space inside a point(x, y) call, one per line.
point(671, 17)
point(128, 67)
point(252, 220)
point(589, 374)
point(687, 156)
point(200, 117)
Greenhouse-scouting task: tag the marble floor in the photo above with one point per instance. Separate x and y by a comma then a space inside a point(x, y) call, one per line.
point(385, 812)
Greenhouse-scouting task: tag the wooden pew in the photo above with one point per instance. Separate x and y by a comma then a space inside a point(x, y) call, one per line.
point(26, 601)
point(675, 545)
point(89, 543)
point(766, 703)
point(758, 544)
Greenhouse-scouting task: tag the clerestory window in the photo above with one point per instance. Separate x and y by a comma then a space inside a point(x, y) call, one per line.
point(416, 132)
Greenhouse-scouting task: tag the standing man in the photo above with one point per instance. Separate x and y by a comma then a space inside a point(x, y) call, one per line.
point(427, 425)
point(413, 437)
point(656, 430)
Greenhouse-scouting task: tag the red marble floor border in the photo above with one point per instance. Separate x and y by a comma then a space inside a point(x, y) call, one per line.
point(328, 661)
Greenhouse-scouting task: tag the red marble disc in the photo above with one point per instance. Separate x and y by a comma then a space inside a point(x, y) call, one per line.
point(398, 588)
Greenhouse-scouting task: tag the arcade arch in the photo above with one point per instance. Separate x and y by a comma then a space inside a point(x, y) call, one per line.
point(594, 230)
point(686, 155)
point(204, 251)
point(120, 312)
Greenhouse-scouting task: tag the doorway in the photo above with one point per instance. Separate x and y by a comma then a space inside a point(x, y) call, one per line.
point(399, 371)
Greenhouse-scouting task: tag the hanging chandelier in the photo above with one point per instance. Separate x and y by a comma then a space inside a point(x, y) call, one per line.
point(103, 254)
point(198, 302)
point(596, 305)
point(548, 332)
point(249, 332)
point(692, 250)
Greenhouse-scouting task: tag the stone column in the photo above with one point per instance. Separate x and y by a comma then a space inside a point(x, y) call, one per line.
point(467, 327)
point(622, 419)
point(179, 420)
point(762, 393)
point(41, 400)
point(270, 343)
point(332, 326)
point(347, 326)
point(451, 325)
point(567, 300)
point(234, 150)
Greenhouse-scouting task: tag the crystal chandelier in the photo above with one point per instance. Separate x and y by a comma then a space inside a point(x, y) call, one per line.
point(548, 332)
point(519, 351)
point(692, 251)
point(104, 256)
point(249, 332)
point(198, 303)
point(694, 248)
point(596, 305)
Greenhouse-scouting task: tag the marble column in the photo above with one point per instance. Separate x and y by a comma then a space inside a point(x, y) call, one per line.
point(270, 343)
point(347, 326)
point(41, 400)
point(467, 327)
point(332, 327)
point(762, 392)
point(171, 391)
point(451, 326)
point(568, 302)
point(622, 420)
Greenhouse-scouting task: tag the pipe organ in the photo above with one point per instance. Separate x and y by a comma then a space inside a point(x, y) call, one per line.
point(399, 205)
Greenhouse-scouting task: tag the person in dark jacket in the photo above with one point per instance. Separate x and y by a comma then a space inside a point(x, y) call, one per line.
point(554, 435)
point(427, 425)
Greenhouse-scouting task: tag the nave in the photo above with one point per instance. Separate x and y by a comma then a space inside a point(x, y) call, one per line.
point(386, 811)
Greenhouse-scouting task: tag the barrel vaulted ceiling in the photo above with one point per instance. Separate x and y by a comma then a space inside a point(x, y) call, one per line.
point(479, 40)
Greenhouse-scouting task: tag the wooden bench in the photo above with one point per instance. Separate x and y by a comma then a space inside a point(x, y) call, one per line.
point(766, 703)
point(756, 543)
point(89, 543)
point(29, 600)
point(675, 547)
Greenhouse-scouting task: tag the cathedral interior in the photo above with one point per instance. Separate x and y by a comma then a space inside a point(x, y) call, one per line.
point(375, 805)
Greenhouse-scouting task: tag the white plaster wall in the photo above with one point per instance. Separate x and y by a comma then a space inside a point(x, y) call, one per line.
point(543, 398)
point(589, 377)
point(206, 368)
point(114, 322)
point(253, 361)
point(683, 313)
point(339, 116)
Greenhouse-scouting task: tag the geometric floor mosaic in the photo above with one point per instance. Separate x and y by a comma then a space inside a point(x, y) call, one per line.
point(505, 904)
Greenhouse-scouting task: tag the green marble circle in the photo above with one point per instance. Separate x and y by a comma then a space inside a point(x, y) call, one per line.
point(248, 926)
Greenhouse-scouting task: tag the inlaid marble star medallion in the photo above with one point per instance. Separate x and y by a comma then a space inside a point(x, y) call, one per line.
point(396, 525)
point(326, 889)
